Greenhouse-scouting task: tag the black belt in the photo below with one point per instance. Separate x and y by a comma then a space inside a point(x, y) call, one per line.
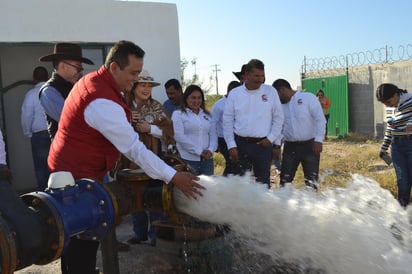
point(300, 142)
point(249, 139)
point(407, 137)
point(41, 131)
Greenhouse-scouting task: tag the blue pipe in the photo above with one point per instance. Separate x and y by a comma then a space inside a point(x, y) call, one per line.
point(85, 210)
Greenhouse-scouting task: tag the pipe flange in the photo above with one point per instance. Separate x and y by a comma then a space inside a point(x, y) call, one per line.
point(8, 253)
point(167, 191)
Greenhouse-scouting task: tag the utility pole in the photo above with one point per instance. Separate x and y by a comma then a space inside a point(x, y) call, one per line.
point(216, 70)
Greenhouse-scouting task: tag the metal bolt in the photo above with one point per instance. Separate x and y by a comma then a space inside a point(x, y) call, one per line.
point(89, 187)
point(35, 202)
point(50, 221)
point(104, 224)
point(102, 202)
point(94, 238)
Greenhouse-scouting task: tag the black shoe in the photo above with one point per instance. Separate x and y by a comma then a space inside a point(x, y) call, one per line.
point(122, 247)
point(136, 240)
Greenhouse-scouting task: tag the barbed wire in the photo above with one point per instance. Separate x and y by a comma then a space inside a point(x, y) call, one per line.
point(381, 55)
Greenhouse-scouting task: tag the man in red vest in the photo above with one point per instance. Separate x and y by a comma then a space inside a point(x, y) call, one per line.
point(94, 127)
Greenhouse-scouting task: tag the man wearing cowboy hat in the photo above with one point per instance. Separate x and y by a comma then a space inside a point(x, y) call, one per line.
point(240, 75)
point(67, 61)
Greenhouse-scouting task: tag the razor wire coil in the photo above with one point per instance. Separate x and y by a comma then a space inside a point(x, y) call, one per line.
point(377, 56)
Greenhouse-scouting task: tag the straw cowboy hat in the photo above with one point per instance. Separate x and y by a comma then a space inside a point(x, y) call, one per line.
point(240, 73)
point(144, 77)
point(66, 51)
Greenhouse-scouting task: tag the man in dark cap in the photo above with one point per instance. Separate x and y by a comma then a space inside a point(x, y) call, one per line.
point(67, 61)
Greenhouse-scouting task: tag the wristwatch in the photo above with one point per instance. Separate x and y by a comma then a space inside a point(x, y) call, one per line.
point(276, 146)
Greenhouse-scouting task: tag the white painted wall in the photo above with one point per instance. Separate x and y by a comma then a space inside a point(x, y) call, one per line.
point(29, 28)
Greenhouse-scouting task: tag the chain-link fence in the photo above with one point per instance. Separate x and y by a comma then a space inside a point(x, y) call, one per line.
point(382, 55)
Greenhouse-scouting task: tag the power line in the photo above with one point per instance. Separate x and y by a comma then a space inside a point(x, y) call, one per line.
point(216, 70)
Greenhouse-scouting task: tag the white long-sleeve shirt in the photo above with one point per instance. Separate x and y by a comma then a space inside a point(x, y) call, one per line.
point(193, 133)
point(109, 119)
point(2, 150)
point(217, 115)
point(33, 117)
point(252, 113)
point(304, 118)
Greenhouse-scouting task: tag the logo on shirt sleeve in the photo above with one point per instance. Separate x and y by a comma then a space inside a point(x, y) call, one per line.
point(264, 98)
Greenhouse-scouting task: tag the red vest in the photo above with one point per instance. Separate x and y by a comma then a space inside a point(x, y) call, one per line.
point(77, 147)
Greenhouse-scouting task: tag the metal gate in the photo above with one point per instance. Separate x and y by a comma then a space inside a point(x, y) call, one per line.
point(336, 88)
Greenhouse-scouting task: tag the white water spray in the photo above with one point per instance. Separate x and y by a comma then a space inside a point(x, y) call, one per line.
point(358, 229)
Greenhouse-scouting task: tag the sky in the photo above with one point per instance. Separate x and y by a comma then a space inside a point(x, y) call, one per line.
point(228, 33)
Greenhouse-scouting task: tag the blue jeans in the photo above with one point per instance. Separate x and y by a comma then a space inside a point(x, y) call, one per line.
point(401, 150)
point(40, 145)
point(141, 223)
point(326, 126)
point(204, 167)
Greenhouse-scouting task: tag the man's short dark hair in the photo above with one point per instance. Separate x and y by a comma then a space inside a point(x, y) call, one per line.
point(279, 83)
point(120, 52)
point(232, 85)
point(254, 64)
point(175, 83)
point(40, 74)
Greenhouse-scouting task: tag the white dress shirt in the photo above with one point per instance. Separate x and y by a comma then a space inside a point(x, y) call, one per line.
point(33, 117)
point(109, 119)
point(193, 133)
point(252, 113)
point(217, 115)
point(2, 150)
point(304, 118)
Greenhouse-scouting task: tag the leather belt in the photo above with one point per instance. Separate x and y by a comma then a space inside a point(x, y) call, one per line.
point(249, 139)
point(41, 131)
point(300, 142)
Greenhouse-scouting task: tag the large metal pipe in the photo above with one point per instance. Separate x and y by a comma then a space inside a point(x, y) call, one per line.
point(36, 227)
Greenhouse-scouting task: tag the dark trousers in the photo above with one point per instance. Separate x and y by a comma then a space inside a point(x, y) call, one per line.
point(40, 145)
point(224, 151)
point(256, 157)
point(295, 153)
point(326, 126)
point(80, 257)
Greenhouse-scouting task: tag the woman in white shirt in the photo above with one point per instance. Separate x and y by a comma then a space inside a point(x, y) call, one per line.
point(195, 135)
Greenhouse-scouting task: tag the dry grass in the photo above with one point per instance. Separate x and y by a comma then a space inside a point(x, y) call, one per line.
point(341, 158)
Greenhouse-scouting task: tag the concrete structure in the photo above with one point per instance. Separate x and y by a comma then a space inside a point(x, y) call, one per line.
point(366, 114)
point(29, 30)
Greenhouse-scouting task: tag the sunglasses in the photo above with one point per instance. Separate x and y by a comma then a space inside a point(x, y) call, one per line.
point(79, 69)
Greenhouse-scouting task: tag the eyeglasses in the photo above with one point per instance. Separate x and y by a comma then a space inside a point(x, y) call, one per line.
point(79, 69)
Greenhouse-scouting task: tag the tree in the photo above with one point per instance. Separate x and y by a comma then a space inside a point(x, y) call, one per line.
point(194, 79)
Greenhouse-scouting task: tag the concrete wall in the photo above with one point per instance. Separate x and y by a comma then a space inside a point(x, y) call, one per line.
point(29, 30)
point(366, 114)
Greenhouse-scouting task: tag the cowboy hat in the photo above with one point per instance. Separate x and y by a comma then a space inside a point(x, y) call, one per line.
point(240, 73)
point(66, 51)
point(144, 77)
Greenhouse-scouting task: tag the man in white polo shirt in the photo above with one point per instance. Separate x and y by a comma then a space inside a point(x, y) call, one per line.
point(252, 122)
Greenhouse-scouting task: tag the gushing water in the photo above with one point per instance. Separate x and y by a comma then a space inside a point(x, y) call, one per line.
point(358, 229)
